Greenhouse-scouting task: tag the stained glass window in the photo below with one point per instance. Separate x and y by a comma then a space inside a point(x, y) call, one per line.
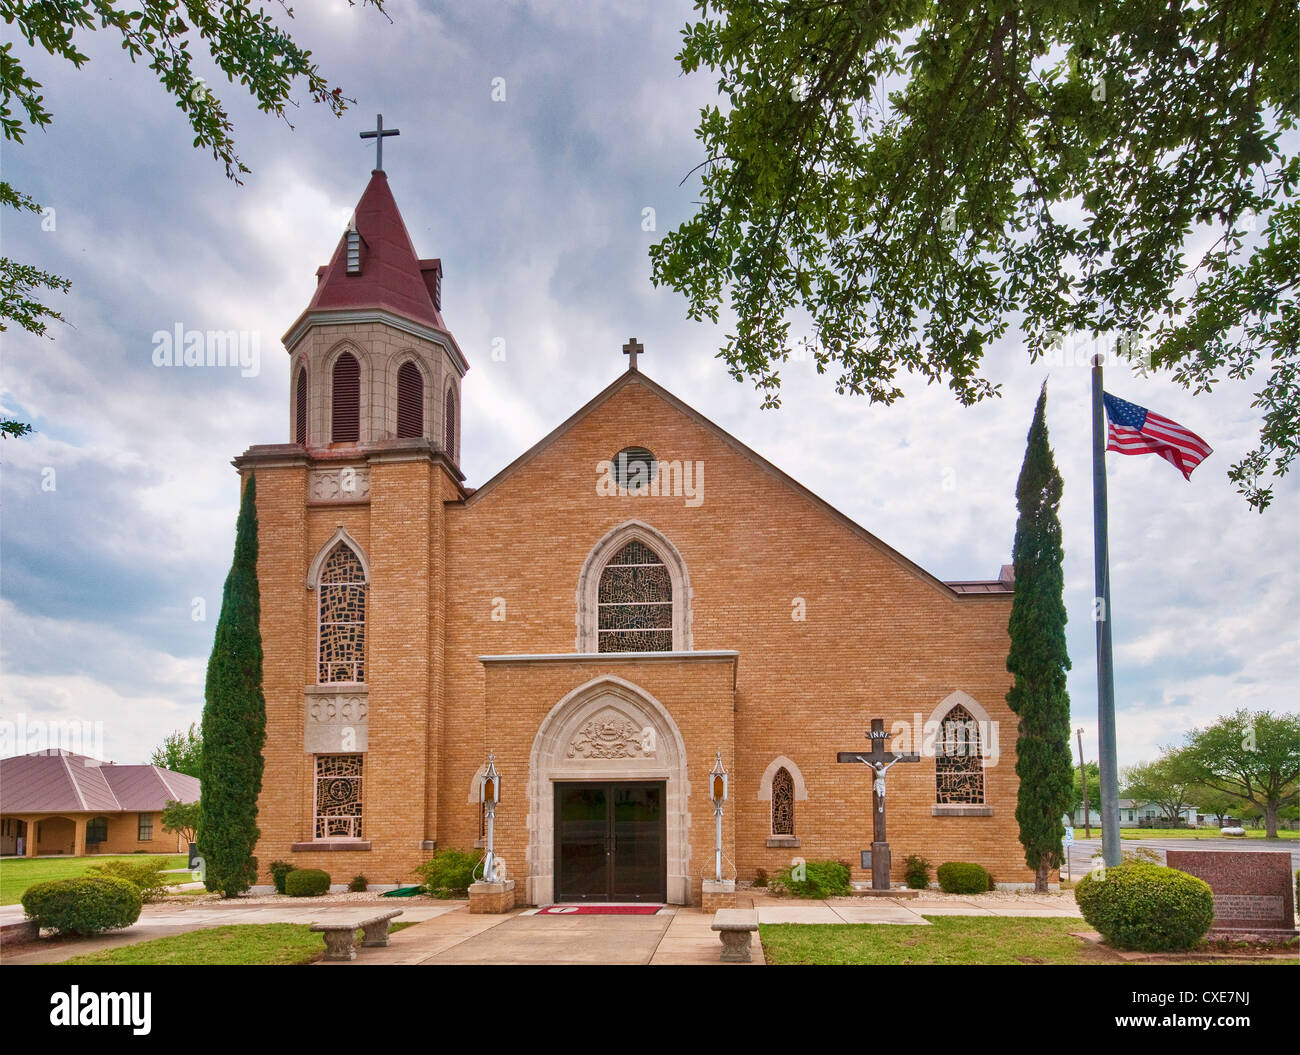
point(342, 588)
point(959, 770)
point(635, 602)
point(338, 796)
point(782, 803)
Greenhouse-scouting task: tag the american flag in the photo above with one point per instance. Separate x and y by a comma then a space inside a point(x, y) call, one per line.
point(1135, 430)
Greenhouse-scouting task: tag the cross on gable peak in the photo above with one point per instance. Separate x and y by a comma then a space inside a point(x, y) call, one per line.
point(632, 349)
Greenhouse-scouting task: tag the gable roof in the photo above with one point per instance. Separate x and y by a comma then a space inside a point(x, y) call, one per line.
point(392, 277)
point(61, 782)
point(1003, 585)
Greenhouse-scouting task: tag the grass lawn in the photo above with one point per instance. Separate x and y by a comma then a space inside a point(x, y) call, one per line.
point(249, 943)
point(18, 873)
point(950, 939)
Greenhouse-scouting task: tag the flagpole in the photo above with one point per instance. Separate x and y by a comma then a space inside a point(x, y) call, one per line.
point(1101, 614)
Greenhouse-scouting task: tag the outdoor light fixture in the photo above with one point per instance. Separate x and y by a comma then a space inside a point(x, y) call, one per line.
point(718, 792)
point(490, 795)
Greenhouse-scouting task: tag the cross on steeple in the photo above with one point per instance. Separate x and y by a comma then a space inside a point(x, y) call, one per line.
point(378, 136)
point(632, 349)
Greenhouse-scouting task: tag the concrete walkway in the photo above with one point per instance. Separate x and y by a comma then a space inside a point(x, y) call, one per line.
point(449, 934)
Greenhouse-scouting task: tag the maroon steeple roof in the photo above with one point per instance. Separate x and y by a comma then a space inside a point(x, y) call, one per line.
point(391, 276)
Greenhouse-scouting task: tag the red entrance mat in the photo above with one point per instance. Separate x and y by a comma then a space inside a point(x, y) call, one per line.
point(599, 910)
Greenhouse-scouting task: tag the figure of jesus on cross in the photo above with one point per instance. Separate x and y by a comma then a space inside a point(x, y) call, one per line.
point(879, 761)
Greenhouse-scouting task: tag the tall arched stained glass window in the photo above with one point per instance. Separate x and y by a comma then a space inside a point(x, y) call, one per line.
point(635, 602)
point(342, 587)
point(782, 803)
point(958, 760)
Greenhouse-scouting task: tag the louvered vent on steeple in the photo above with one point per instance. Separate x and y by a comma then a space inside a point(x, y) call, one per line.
point(354, 249)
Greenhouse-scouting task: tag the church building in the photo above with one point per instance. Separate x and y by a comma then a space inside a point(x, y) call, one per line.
point(634, 597)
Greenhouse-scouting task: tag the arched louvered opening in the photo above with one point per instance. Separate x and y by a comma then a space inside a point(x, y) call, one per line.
point(410, 401)
point(635, 602)
point(783, 803)
point(300, 407)
point(958, 761)
point(449, 430)
point(342, 587)
point(346, 419)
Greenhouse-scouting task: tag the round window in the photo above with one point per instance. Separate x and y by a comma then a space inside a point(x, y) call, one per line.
point(634, 468)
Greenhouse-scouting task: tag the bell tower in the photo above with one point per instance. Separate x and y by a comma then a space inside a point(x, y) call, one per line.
point(372, 360)
point(352, 556)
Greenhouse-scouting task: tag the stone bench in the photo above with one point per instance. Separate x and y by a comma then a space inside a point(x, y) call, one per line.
point(341, 936)
point(736, 927)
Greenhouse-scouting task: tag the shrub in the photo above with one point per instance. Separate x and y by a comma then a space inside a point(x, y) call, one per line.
point(760, 877)
point(84, 905)
point(358, 884)
point(822, 879)
point(279, 870)
point(1146, 907)
point(962, 877)
point(306, 882)
point(917, 872)
point(450, 870)
point(146, 877)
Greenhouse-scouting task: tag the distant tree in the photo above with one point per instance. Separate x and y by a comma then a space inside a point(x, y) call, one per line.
point(1217, 804)
point(234, 721)
point(182, 818)
point(1164, 783)
point(181, 752)
point(1253, 757)
point(1092, 771)
point(1038, 657)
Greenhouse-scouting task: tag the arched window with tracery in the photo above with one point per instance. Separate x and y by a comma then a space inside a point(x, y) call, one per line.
point(342, 586)
point(449, 423)
point(410, 401)
point(300, 407)
point(782, 803)
point(345, 423)
point(958, 760)
point(635, 602)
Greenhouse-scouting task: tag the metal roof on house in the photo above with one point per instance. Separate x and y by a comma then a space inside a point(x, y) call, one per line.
point(62, 782)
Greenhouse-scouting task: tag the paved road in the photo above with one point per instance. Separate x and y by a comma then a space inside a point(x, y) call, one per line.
point(1082, 851)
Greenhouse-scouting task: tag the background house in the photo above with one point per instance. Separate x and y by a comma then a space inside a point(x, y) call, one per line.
point(56, 802)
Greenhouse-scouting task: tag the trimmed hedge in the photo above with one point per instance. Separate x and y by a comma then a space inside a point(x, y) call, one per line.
point(962, 877)
point(822, 879)
point(1146, 907)
point(83, 905)
point(358, 884)
point(147, 876)
point(279, 872)
point(307, 882)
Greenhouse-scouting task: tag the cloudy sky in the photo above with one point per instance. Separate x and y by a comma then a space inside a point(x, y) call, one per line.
point(119, 511)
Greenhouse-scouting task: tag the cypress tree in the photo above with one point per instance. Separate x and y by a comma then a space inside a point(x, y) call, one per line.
point(1038, 658)
point(234, 721)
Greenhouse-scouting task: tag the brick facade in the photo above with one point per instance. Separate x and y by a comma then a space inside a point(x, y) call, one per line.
point(802, 628)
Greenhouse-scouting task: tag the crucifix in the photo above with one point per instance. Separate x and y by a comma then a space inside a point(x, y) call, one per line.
point(879, 761)
point(632, 349)
point(378, 136)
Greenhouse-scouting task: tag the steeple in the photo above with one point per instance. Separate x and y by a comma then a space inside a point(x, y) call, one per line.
point(373, 360)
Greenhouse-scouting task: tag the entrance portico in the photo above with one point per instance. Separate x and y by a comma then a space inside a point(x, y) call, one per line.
point(610, 764)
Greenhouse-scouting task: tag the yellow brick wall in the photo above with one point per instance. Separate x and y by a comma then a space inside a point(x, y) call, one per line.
point(879, 641)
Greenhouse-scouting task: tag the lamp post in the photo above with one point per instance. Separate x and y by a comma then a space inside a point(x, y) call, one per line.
point(718, 792)
point(490, 788)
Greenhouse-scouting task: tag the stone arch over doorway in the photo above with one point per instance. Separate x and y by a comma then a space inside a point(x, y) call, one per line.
point(608, 729)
